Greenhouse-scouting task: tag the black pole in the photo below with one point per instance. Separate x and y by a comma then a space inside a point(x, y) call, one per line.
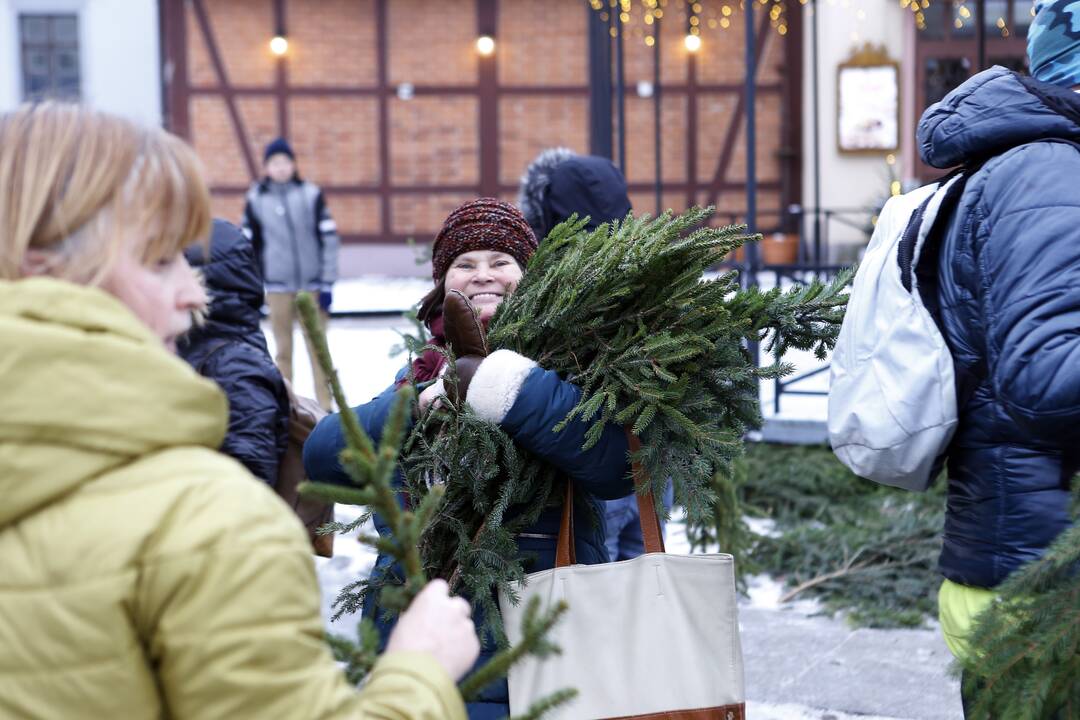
point(659, 183)
point(600, 140)
point(620, 87)
point(817, 132)
point(752, 249)
point(751, 134)
point(980, 33)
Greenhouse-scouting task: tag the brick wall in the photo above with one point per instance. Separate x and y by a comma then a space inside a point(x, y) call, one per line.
point(344, 126)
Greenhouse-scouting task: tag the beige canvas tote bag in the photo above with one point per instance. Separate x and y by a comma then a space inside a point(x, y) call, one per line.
point(652, 637)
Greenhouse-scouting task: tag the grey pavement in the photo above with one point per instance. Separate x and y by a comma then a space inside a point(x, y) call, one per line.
point(822, 663)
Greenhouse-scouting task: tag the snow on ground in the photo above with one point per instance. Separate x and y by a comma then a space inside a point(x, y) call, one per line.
point(788, 711)
point(378, 293)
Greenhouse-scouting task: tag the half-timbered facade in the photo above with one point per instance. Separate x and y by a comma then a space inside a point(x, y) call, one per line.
point(396, 114)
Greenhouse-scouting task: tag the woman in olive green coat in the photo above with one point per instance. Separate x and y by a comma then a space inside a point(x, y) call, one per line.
point(142, 573)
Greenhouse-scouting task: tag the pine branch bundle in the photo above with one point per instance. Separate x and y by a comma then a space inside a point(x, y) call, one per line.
point(470, 542)
point(624, 313)
point(1024, 659)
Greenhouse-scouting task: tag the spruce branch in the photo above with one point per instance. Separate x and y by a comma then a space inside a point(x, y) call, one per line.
point(1024, 651)
point(544, 705)
point(371, 470)
point(535, 626)
point(359, 657)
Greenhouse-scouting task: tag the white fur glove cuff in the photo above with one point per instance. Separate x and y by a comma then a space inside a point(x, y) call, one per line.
point(497, 383)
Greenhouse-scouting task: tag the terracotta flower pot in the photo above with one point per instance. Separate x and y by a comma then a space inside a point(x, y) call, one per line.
point(780, 249)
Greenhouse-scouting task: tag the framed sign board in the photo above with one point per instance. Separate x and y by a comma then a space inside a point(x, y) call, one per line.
point(868, 102)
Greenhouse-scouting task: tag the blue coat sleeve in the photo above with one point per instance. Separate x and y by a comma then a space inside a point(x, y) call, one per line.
point(542, 403)
point(1030, 273)
point(327, 440)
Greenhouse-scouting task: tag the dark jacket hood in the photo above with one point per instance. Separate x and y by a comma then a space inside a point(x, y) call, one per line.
point(559, 184)
point(233, 281)
point(992, 112)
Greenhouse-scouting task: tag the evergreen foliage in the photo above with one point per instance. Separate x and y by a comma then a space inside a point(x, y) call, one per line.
point(1024, 659)
point(535, 627)
point(863, 548)
point(372, 470)
point(359, 657)
point(624, 313)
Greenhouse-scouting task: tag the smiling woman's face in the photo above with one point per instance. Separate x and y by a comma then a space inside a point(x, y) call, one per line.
point(485, 277)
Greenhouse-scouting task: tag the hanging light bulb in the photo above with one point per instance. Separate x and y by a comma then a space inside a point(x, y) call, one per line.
point(692, 42)
point(485, 45)
point(279, 45)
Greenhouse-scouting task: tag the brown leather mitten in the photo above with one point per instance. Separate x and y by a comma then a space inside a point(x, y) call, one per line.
point(466, 336)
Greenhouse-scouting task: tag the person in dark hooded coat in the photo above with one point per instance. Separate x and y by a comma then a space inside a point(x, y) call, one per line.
point(1009, 297)
point(559, 183)
point(556, 185)
point(230, 349)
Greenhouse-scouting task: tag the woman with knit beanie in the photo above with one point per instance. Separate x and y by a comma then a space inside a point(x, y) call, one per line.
point(481, 252)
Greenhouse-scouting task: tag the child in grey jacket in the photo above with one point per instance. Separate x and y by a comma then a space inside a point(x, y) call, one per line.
point(297, 243)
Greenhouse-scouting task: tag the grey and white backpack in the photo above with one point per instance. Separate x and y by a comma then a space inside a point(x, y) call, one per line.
point(892, 397)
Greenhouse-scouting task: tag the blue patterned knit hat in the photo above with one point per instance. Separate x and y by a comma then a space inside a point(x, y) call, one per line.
point(1054, 42)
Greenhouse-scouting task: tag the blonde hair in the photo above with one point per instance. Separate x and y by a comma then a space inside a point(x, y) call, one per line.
point(81, 183)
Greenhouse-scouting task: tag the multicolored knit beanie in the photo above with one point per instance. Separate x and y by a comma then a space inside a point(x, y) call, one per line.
point(482, 224)
point(1054, 42)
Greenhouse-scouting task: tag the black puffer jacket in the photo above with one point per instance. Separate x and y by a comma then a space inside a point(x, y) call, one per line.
point(230, 349)
point(1009, 292)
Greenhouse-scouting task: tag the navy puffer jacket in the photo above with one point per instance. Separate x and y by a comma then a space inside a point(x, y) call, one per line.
point(230, 349)
point(1010, 299)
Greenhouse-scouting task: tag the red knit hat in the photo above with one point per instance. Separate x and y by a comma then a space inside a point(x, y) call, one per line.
point(482, 224)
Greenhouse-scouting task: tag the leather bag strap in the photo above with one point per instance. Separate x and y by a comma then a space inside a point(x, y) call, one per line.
point(565, 554)
point(651, 534)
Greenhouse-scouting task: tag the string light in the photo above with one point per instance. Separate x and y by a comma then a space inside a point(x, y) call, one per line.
point(279, 45)
point(485, 45)
point(698, 14)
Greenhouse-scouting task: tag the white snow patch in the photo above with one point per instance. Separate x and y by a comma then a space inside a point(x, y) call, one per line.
point(767, 711)
point(352, 561)
point(379, 293)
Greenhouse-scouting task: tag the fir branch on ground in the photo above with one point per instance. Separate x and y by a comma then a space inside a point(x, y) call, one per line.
point(1024, 659)
point(862, 548)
